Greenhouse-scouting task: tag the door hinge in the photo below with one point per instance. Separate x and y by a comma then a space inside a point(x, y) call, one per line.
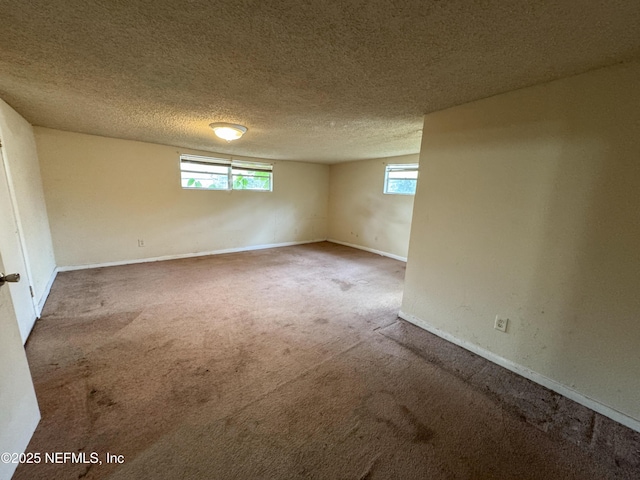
point(31, 291)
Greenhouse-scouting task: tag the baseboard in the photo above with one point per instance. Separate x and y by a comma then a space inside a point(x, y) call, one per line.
point(185, 255)
point(553, 385)
point(47, 290)
point(367, 249)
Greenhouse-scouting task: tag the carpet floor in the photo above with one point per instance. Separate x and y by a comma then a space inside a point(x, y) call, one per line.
point(270, 364)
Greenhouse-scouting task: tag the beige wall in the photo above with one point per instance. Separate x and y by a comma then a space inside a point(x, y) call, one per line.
point(20, 153)
point(361, 215)
point(104, 194)
point(529, 207)
point(19, 413)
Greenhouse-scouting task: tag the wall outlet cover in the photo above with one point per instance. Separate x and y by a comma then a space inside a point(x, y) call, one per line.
point(501, 323)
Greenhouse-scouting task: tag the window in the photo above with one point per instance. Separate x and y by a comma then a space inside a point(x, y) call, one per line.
point(401, 179)
point(207, 173)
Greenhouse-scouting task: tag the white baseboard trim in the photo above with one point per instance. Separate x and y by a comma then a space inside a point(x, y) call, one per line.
point(367, 249)
point(47, 290)
point(557, 387)
point(185, 255)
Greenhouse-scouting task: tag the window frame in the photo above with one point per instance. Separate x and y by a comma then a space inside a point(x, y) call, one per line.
point(401, 167)
point(231, 165)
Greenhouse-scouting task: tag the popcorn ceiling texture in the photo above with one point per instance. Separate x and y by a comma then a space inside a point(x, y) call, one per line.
point(314, 81)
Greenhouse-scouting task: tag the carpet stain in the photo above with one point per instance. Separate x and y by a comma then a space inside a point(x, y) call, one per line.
point(383, 407)
point(344, 285)
point(102, 399)
point(321, 321)
point(200, 371)
point(368, 473)
point(86, 471)
point(422, 433)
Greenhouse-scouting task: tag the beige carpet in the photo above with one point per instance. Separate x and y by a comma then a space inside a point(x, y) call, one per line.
point(265, 364)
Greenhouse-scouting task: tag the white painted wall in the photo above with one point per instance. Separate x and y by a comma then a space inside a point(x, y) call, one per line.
point(25, 235)
point(104, 194)
point(528, 206)
point(361, 215)
point(20, 153)
point(19, 412)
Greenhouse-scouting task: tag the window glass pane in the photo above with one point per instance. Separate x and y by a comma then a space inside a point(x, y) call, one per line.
point(204, 180)
point(204, 172)
point(220, 174)
point(401, 179)
point(251, 180)
point(401, 186)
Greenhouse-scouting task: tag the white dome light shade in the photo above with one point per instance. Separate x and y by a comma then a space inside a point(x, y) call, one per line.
point(228, 131)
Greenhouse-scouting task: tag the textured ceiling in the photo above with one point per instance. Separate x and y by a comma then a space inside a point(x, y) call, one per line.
point(314, 80)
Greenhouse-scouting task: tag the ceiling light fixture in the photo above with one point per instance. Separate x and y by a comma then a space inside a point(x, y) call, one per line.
point(228, 131)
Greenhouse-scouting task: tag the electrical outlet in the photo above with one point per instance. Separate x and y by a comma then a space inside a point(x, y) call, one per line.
point(140, 242)
point(501, 323)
